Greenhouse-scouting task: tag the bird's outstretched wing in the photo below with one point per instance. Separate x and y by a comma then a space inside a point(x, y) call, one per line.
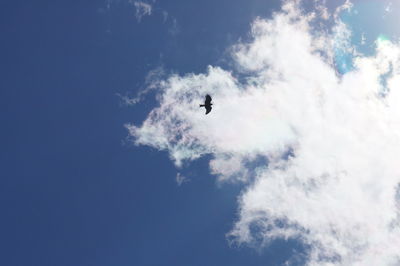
point(208, 109)
point(208, 99)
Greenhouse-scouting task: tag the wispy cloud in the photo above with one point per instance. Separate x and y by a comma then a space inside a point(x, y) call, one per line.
point(142, 9)
point(165, 15)
point(180, 179)
point(174, 28)
point(152, 82)
point(147, 8)
point(330, 143)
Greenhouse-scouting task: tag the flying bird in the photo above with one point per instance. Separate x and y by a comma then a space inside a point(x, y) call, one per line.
point(207, 104)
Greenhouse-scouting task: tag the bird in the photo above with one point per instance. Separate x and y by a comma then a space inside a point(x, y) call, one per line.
point(207, 104)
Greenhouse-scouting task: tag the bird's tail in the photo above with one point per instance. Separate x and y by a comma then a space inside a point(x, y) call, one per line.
point(202, 105)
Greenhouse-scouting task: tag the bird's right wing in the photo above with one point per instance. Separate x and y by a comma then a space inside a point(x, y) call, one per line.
point(208, 109)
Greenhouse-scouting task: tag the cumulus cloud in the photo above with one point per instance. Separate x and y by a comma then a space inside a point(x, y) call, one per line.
point(317, 151)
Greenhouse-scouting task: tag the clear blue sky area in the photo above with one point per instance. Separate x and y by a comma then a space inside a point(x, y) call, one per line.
point(73, 192)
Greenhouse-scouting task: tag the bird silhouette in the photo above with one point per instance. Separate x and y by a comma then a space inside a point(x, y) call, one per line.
point(207, 104)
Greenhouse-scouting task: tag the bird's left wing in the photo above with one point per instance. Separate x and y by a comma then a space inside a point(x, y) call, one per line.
point(208, 99)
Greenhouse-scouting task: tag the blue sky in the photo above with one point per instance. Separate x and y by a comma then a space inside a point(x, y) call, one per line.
point(74, 189)
point(72, 193)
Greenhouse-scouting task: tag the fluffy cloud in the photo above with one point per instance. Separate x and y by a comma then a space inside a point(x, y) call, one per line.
point(318, 151)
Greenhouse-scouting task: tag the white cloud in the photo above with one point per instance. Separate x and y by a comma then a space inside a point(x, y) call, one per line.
point(331, 142)
point(142, 9)
point(320, 7)
point(347, 6)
